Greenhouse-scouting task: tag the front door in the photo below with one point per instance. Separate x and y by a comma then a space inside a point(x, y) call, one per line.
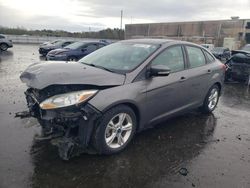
point(167, 94)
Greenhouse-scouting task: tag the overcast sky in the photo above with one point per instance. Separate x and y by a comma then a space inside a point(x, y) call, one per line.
point(84, 15)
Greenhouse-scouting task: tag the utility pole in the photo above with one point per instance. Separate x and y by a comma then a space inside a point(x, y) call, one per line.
point(121, 19)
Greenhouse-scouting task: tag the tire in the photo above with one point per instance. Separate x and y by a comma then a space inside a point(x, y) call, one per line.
point(72, 58)
point(4, 46)
point(107, 140)
point(211, 99)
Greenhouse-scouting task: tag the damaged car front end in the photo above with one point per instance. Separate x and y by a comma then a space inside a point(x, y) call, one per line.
point(69, 127)
point(62, 109)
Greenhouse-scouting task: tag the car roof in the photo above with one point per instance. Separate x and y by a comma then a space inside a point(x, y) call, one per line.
point(148, 41)
point(158, 41)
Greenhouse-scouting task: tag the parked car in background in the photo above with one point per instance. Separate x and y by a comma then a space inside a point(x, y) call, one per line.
point(208, 46)
point(5, 43)
point(101, 101)
point(75, 51)
point(49, 42)
point(221, 53)
point(43, 50)
point(238, 66)
point(246, 48)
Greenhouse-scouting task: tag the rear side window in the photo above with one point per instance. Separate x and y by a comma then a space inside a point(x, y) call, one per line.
point(2, 37)
point(196, 57)
point(172, 57)
point(210, 58)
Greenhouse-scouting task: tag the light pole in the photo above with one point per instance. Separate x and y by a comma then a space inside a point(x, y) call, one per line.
point(121, 19)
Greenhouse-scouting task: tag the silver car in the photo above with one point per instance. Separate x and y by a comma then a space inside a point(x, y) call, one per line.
point(100, 102)
point(5, 43)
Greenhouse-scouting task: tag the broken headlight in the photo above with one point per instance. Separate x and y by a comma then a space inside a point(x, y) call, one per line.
point(67, 99)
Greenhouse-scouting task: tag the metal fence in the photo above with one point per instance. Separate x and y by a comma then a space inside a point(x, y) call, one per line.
point(27, 39)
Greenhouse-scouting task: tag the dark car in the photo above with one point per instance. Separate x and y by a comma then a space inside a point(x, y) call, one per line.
point(238, 66)
point(221, 53)
point(98, 103)
point(44, 49)
point(75, 51)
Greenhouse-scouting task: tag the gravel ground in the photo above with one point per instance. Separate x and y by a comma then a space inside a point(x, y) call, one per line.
point(193, 150)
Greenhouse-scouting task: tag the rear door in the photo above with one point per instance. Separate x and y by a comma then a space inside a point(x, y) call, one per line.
point(167, 95)
point(199, 74)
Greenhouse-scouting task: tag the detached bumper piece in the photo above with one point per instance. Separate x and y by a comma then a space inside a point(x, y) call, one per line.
point(69, 128)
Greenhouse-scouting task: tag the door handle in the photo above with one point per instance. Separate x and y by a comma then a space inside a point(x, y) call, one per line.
point(183, 79)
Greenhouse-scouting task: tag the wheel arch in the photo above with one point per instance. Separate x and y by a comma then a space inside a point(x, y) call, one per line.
point(219, 85)
point(130, 104)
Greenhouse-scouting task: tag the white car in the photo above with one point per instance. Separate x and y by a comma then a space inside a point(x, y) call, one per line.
point(5, 43)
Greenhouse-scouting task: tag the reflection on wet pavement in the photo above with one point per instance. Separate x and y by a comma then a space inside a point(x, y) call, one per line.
point(214, 149)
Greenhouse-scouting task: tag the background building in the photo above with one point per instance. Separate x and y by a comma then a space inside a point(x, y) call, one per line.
point(231, 33)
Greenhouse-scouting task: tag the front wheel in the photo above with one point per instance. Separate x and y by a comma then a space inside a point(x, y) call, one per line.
point(115, 131)
point(211, 99)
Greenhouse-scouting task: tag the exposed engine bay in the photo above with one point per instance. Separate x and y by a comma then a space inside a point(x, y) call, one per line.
point(67, 128)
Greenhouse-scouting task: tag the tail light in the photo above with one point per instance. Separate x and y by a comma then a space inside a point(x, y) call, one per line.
point(224, 67)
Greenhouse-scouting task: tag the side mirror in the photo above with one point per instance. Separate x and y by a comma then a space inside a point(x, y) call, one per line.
point(159, 70)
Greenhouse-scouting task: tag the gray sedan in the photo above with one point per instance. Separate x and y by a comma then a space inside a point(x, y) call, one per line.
point(98, 103)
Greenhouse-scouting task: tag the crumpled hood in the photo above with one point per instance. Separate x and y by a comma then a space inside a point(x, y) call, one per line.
point(41, 75)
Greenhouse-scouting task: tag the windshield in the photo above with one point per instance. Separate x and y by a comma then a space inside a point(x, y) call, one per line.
point(58, 43)
point(120, 57)
point(75, 45)
point(218, 49)
point(246, 48)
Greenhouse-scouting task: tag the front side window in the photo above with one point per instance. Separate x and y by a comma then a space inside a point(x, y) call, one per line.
point(196, 57)
point(172, 58)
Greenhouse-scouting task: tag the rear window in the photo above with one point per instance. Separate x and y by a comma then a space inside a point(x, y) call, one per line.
point(210, 58)
point(196, 57)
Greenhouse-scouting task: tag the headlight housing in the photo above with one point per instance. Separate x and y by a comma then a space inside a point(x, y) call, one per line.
point(67, 99)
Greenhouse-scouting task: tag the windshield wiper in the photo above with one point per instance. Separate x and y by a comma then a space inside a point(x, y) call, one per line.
point(98, 66)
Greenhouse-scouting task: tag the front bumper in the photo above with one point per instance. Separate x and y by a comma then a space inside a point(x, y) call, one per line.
point(69, 128)
point(44, 51)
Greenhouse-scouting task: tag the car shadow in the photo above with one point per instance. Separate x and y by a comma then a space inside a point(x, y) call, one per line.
point(153, 154)
point(5, 55)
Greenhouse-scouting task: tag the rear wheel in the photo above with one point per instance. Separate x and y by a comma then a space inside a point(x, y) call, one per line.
point(117, 128)
point(3, 46)
point(211, 99)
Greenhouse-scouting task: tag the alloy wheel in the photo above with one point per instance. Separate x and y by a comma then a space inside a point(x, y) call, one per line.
point(118, 130)
point(213, 98)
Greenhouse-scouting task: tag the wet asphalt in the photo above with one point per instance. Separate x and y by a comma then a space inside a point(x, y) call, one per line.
point(192, 150)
